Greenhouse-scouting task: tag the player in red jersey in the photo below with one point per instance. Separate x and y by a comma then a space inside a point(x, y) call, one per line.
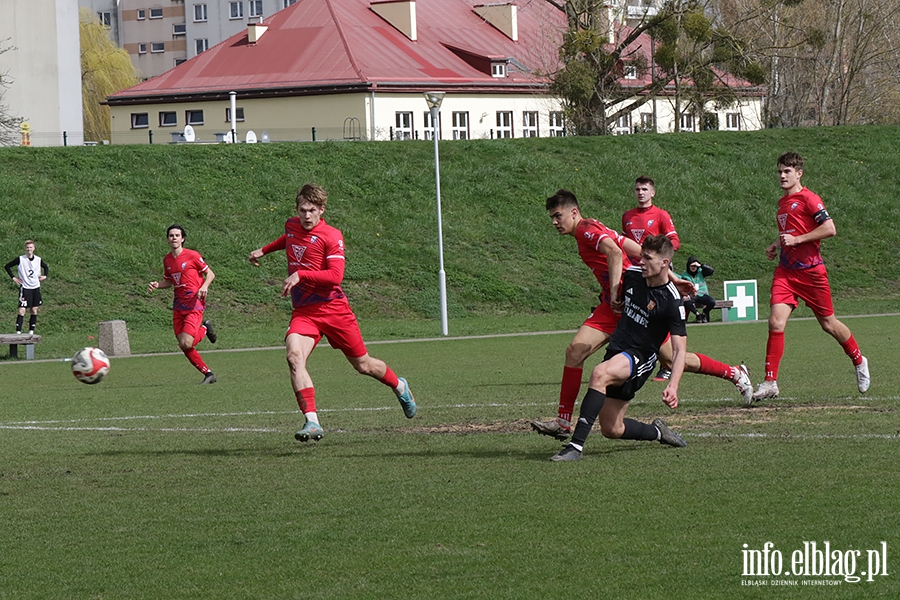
point(646, 219)
point(803, 221)
point(188, 273)
point(315, 255)
point(641, 222)
point(601, 249)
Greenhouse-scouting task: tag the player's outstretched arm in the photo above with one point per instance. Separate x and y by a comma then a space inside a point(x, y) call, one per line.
point(159, 285)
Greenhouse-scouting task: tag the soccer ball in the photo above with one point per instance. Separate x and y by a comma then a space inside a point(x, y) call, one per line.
point(90, 365)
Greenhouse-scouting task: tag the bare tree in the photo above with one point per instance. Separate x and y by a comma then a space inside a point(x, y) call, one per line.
point(10, 133)
point(830, 62)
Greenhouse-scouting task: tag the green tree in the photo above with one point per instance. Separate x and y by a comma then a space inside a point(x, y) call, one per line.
point(105, 69)
point(690, 53)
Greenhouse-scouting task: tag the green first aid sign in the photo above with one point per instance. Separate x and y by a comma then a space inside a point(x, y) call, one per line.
point(742, 295)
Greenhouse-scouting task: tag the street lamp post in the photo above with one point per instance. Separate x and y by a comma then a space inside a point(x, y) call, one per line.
point(434, 100)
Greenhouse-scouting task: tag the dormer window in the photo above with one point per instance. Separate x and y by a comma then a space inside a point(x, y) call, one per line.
point(498, 69)
point(630, 72)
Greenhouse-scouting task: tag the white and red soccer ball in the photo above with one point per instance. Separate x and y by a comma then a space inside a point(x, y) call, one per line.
point(90, 365)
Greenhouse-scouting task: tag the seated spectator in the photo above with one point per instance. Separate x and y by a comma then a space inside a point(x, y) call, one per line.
point(697, 273)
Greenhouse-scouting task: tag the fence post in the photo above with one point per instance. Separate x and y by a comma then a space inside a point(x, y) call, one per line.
point(314, 133)
point(150, 133)
point(65, 139)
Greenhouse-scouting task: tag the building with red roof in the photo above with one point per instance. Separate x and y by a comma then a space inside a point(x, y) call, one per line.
point(358, 69)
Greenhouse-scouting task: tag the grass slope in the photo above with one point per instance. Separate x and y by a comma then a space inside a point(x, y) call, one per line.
point(99, 216)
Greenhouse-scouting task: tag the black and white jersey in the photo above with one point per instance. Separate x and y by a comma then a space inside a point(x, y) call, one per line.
point(649, 315)
point(29, 270)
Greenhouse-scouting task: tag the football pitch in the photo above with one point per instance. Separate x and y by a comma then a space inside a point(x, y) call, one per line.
point(150, 486)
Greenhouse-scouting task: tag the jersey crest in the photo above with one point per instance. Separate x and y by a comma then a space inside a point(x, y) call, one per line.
point(177, 278)
point(638, 235)
point(782, 220)
point(651, 305)
point(298, 251)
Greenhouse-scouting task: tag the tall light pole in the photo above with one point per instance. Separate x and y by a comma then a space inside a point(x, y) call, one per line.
point(434, 100)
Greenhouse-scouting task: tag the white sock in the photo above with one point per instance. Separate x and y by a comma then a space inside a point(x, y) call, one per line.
point(312, 416)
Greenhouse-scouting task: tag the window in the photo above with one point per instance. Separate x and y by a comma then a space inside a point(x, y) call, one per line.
point(168, 119)
point(709, 122)
point(179, 29)
point(178, 61)
point(236, 10)
point(141, 14)
point(156, 13)
point(557, 124)
point(139, 121)
point(142, 48)
point(687, 122)
point(630, 72)
point(733, 121)
point(623, 124)
point(647, 122)
point(403, 126)
point(529, 124)
point(460, 126)
point(202, 45)
point(498, 69)
point(504, 124)
point(256, 9)
point(193, 117)
point(158, 47)
point(200, 13)
point(289, 3)
point(238, 114)
point(429, 126)
point(105, 18)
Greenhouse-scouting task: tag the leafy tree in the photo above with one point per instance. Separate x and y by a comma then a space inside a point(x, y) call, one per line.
point(10, 134)
point(105, 69)
point(691, 53)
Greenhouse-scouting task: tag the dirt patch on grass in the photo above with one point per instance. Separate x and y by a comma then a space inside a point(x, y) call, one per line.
point(517, 426)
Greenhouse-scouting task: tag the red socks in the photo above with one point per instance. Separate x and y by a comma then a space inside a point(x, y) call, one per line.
point(710, 366)
point(774, 352)
point(568, 392)
point(851, 349)
point(306, 400)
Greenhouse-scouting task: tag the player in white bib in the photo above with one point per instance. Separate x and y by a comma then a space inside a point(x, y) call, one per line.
point(30, 272)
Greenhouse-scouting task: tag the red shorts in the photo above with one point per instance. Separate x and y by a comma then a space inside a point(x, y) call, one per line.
point(810, 285)
point(187, 321)
point(603, 319)
point(334, 320)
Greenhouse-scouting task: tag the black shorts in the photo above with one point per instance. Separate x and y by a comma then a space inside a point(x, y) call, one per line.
point(30, 298)
point(641, 370)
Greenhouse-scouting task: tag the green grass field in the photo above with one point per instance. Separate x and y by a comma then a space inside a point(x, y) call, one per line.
point(148, 486)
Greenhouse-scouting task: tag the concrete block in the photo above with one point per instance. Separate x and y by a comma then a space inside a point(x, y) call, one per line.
point(114, 338)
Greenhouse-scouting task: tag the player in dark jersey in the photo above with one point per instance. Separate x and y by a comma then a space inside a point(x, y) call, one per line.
point(802, 222)
point(645, 220)
point(186, 271)
point(30, 272)
point(652, 311)
point(315, 255)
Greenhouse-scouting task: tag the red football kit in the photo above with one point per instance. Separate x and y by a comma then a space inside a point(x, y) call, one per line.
point(638, 223)
point(801, 272)
point(320, 306)
point(185, 271)
point(589, 234)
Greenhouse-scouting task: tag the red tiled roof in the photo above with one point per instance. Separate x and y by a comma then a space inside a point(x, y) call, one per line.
point(322, 45)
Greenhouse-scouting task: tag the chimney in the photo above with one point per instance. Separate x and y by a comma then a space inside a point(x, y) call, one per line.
point(401, 14)
point(501, 16)
point(255, 31)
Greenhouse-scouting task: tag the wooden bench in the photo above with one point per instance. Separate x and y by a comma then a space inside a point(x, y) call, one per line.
point(724, 305)
point(16, 339)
